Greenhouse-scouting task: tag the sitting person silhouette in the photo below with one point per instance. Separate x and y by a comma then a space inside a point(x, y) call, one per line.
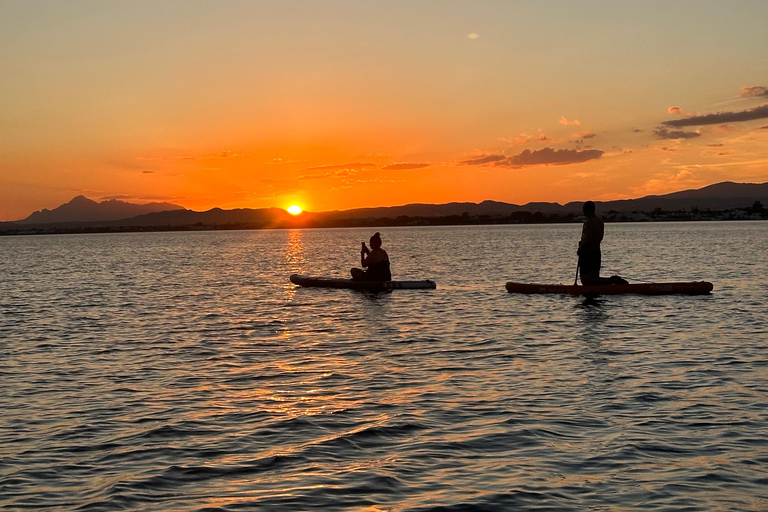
point(589, 249)
point(375, 260)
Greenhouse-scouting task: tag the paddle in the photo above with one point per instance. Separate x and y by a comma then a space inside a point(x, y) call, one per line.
point(576, 279)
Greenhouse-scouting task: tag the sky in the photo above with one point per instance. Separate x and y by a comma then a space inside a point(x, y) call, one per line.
point(333, 105)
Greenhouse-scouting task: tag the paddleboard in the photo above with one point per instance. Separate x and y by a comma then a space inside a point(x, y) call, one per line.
point(692, 288)
point(332, 282)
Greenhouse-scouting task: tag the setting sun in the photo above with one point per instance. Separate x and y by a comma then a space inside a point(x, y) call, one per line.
point(294, 210)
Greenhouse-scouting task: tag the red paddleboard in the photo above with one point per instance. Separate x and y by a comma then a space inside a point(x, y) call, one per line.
point(692, 288)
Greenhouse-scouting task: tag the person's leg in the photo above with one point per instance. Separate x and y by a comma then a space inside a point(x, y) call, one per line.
point(589, 268)
point(357, 274)
point(617, 280)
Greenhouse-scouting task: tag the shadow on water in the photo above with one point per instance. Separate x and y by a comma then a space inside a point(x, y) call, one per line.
point(592, 310)
point(593, 314)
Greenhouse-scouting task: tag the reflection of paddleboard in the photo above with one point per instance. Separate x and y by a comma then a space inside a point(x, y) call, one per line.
point(332, 282)
point(693, 288)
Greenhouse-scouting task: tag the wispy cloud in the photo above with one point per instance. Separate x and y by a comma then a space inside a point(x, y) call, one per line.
point(676, 111)
point(485, 159)
point(585, 135)
point(201, 156)
point(140, 198)
point(281, 161)
point(404, 166)
point(664, 133)
point(564, 120)
point(550, 156)
point(753, 91)
point(544, 156)
point(521, 140)
point(760, 112)
point(356, 166)
point(332, 173)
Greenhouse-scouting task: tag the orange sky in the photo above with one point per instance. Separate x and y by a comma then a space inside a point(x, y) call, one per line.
point(341, 104)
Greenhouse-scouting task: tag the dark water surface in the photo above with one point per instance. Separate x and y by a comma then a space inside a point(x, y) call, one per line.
point(183, 371)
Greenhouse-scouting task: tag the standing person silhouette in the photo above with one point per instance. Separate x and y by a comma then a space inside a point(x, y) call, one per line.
point(590, 257)
point(376, 260)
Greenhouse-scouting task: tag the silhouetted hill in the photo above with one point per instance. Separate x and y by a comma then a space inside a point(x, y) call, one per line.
point(717, 198)
point(263, 217)
point(720, 196)
point(441, 210)
point(82, 209)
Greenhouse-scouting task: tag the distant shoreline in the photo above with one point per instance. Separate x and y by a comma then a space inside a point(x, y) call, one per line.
point(517, 218)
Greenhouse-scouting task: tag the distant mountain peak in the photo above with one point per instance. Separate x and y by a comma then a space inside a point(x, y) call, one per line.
point(81, 199)
point(83, 209)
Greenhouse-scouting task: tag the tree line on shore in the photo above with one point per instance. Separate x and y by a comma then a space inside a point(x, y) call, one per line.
point(755, 212)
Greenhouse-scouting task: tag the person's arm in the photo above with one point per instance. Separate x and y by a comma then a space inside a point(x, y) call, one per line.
point(583, 237)
point(372, 258)
point(364, 252)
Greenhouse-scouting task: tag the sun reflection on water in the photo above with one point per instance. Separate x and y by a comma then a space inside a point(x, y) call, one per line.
point(294, 252)
point(295, 259)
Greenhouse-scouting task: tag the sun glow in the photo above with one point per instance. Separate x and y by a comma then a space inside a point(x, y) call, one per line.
point(294, 210)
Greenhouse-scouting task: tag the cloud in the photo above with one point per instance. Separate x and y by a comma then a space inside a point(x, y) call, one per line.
point(564, 120)
point(141, 199)
point(340, 166)
point(148, 172)
point(403, 166)
point(486, 159)
point(280, 161)
point(676, 110)
point(201, 156)
point(760, 112)
point(207, 156)
point(585, 135)
point(521, 140)
point(333, 173)
point(664, 133)
point(550, 156)
point(637, 130)
point(753, 91)
point(715, 144)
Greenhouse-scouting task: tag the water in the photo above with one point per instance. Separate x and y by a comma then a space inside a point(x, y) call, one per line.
point(183, 371)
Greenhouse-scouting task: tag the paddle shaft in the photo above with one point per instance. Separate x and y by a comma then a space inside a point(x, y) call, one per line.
point(576, 279)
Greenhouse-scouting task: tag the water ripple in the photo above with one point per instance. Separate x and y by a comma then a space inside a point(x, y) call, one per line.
point(181, 371)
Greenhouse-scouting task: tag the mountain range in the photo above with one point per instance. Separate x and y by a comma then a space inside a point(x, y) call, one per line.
point(82, 213)
point(82, 209)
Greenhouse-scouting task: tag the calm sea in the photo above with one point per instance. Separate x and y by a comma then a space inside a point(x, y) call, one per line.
point(183, 371)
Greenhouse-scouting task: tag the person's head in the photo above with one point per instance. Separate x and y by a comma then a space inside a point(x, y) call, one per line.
point(375, 241)
point(589, 208)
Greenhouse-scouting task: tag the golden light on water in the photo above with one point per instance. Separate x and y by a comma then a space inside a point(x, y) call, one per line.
point(294, 210)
